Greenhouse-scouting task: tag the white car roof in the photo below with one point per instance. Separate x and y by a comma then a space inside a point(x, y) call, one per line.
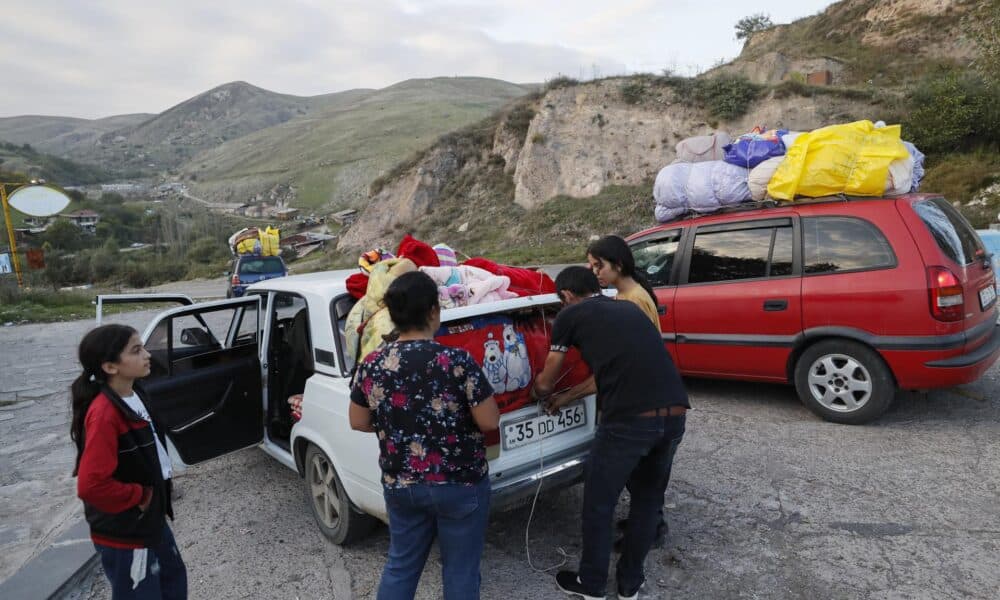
point(323, 283)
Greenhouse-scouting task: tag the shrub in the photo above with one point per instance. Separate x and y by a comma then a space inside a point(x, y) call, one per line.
point(726, 97)
point(519, 120)
point(538, 138)
point(560, 82)
point(952, 111)
point(633, 92)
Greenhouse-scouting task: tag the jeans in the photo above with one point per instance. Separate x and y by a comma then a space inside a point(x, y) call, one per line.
point(639, 452)
point(159, 572)
point(456, 514)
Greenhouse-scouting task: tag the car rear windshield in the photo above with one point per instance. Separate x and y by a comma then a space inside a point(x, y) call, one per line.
point(265, 265)
point(953, 234)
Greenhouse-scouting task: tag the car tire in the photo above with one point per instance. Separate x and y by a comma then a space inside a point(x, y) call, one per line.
point(331, 507)
point(844, 382)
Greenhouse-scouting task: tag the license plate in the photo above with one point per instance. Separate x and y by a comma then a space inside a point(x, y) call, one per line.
point(987, 296)
point(530, 430)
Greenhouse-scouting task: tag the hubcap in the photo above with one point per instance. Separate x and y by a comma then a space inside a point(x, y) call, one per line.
point(840, 383)
point(324, 491)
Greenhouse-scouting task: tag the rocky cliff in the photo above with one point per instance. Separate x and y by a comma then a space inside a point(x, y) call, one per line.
point(581, 139)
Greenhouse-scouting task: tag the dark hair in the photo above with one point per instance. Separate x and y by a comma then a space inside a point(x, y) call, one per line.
point(102, 344)
point(615, 250)
point(410, 299)
point(579, 280)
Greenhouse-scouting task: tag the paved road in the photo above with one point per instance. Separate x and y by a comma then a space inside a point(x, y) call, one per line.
point(766, 502)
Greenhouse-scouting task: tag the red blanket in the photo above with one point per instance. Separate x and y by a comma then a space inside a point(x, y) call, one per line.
point(523, 282)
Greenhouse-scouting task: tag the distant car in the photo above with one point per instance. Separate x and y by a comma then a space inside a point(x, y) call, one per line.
point(847, 299)
point(991, 239)
point(249, 269)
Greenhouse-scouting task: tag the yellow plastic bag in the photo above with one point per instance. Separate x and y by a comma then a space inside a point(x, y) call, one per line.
point(247, 246)
point(269, 239)
point(850, 159)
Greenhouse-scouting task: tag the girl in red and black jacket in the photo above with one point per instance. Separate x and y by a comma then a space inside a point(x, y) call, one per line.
point(123, 469)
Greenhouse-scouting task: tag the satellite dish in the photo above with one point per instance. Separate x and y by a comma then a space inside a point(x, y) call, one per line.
point(38, 200)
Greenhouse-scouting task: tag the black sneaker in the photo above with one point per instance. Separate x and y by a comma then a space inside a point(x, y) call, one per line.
point(622, 595)
point(569, 582)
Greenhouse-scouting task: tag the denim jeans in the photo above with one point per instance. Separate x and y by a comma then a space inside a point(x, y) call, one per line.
point(639, 452)
point(159, 573)
point(453, 513)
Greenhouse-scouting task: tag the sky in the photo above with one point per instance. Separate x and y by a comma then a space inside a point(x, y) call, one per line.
point(106, 57)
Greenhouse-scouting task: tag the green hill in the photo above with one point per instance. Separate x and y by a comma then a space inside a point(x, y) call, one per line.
point(332, 155)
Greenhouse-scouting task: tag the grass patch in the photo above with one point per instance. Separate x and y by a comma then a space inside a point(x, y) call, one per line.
point(958, 177)
point(39, 305)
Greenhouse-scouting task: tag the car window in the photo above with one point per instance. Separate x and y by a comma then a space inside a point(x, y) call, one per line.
point(264, 265)
point(953, 234)
point(188, 335)
point(834, 244)
point(740, 254)
point(655, 258)
point(782, 252)
point(340, 308)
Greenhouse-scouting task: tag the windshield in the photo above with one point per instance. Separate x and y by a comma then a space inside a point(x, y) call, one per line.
point(264, 265)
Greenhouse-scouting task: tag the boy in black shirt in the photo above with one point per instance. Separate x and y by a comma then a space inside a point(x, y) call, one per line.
point(642, 402)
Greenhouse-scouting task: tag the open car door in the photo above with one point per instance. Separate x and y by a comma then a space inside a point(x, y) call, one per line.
point(204, 385)
point(109, 299)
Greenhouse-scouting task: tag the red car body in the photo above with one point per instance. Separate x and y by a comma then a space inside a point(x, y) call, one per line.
point(906, 278)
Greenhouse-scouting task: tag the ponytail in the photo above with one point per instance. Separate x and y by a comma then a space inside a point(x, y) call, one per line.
point(103, 344)
point(641, 280)
point(82, 393)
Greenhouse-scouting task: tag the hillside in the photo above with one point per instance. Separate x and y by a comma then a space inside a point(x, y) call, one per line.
point(26, 161)
point(223, 113)
point(330, 156)
point(862, 42)
point(63, 136)
point(537, 180)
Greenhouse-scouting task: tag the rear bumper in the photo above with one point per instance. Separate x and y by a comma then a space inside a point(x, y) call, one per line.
point(512, 489)
point(924, 370)
point(985, 354)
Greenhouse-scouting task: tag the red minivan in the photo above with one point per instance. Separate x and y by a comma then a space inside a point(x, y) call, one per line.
point(847, 299)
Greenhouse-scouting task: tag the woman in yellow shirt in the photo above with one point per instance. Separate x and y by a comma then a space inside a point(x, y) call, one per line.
point(611, 260)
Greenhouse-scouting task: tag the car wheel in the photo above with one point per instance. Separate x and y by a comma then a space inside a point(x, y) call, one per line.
point(844, 382)
point(330, 505)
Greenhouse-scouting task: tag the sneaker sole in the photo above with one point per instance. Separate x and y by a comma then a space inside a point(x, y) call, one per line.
point(579, 594)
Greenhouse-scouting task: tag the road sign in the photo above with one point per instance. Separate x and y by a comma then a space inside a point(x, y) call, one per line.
point(38, 200)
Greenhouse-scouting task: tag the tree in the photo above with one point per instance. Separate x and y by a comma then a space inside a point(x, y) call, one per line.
point(747, 26)
point(63, 235)
point(983, 24)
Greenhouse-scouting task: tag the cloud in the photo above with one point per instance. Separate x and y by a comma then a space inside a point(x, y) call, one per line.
point(97, 59)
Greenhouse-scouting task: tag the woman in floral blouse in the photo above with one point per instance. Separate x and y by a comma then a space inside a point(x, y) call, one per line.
point(429, 405)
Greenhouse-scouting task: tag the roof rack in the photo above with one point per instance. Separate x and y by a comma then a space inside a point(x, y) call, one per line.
point(767, 204)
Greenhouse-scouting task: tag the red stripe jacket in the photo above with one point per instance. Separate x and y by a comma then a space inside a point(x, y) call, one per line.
point(119, 461)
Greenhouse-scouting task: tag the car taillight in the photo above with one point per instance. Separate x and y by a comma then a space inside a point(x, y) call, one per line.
point(492, 438)
point(945, 290)
point(236, 279)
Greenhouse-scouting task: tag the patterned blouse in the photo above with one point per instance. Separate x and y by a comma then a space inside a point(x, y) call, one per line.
point(420, 393)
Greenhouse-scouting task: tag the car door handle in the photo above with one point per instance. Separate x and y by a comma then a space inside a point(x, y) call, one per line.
point(661, 310)
point(775, 305)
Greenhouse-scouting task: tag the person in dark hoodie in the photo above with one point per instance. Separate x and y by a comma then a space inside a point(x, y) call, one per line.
point(123, 469)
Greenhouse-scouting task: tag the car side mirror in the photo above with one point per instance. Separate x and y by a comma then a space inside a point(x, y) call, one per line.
point(195, 336)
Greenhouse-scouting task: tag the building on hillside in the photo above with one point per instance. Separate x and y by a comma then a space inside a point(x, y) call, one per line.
point(345, 217)
point(285, 214)
point(85, 219)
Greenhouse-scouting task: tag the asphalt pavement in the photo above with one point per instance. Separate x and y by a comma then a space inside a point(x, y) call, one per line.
point(766, 501)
